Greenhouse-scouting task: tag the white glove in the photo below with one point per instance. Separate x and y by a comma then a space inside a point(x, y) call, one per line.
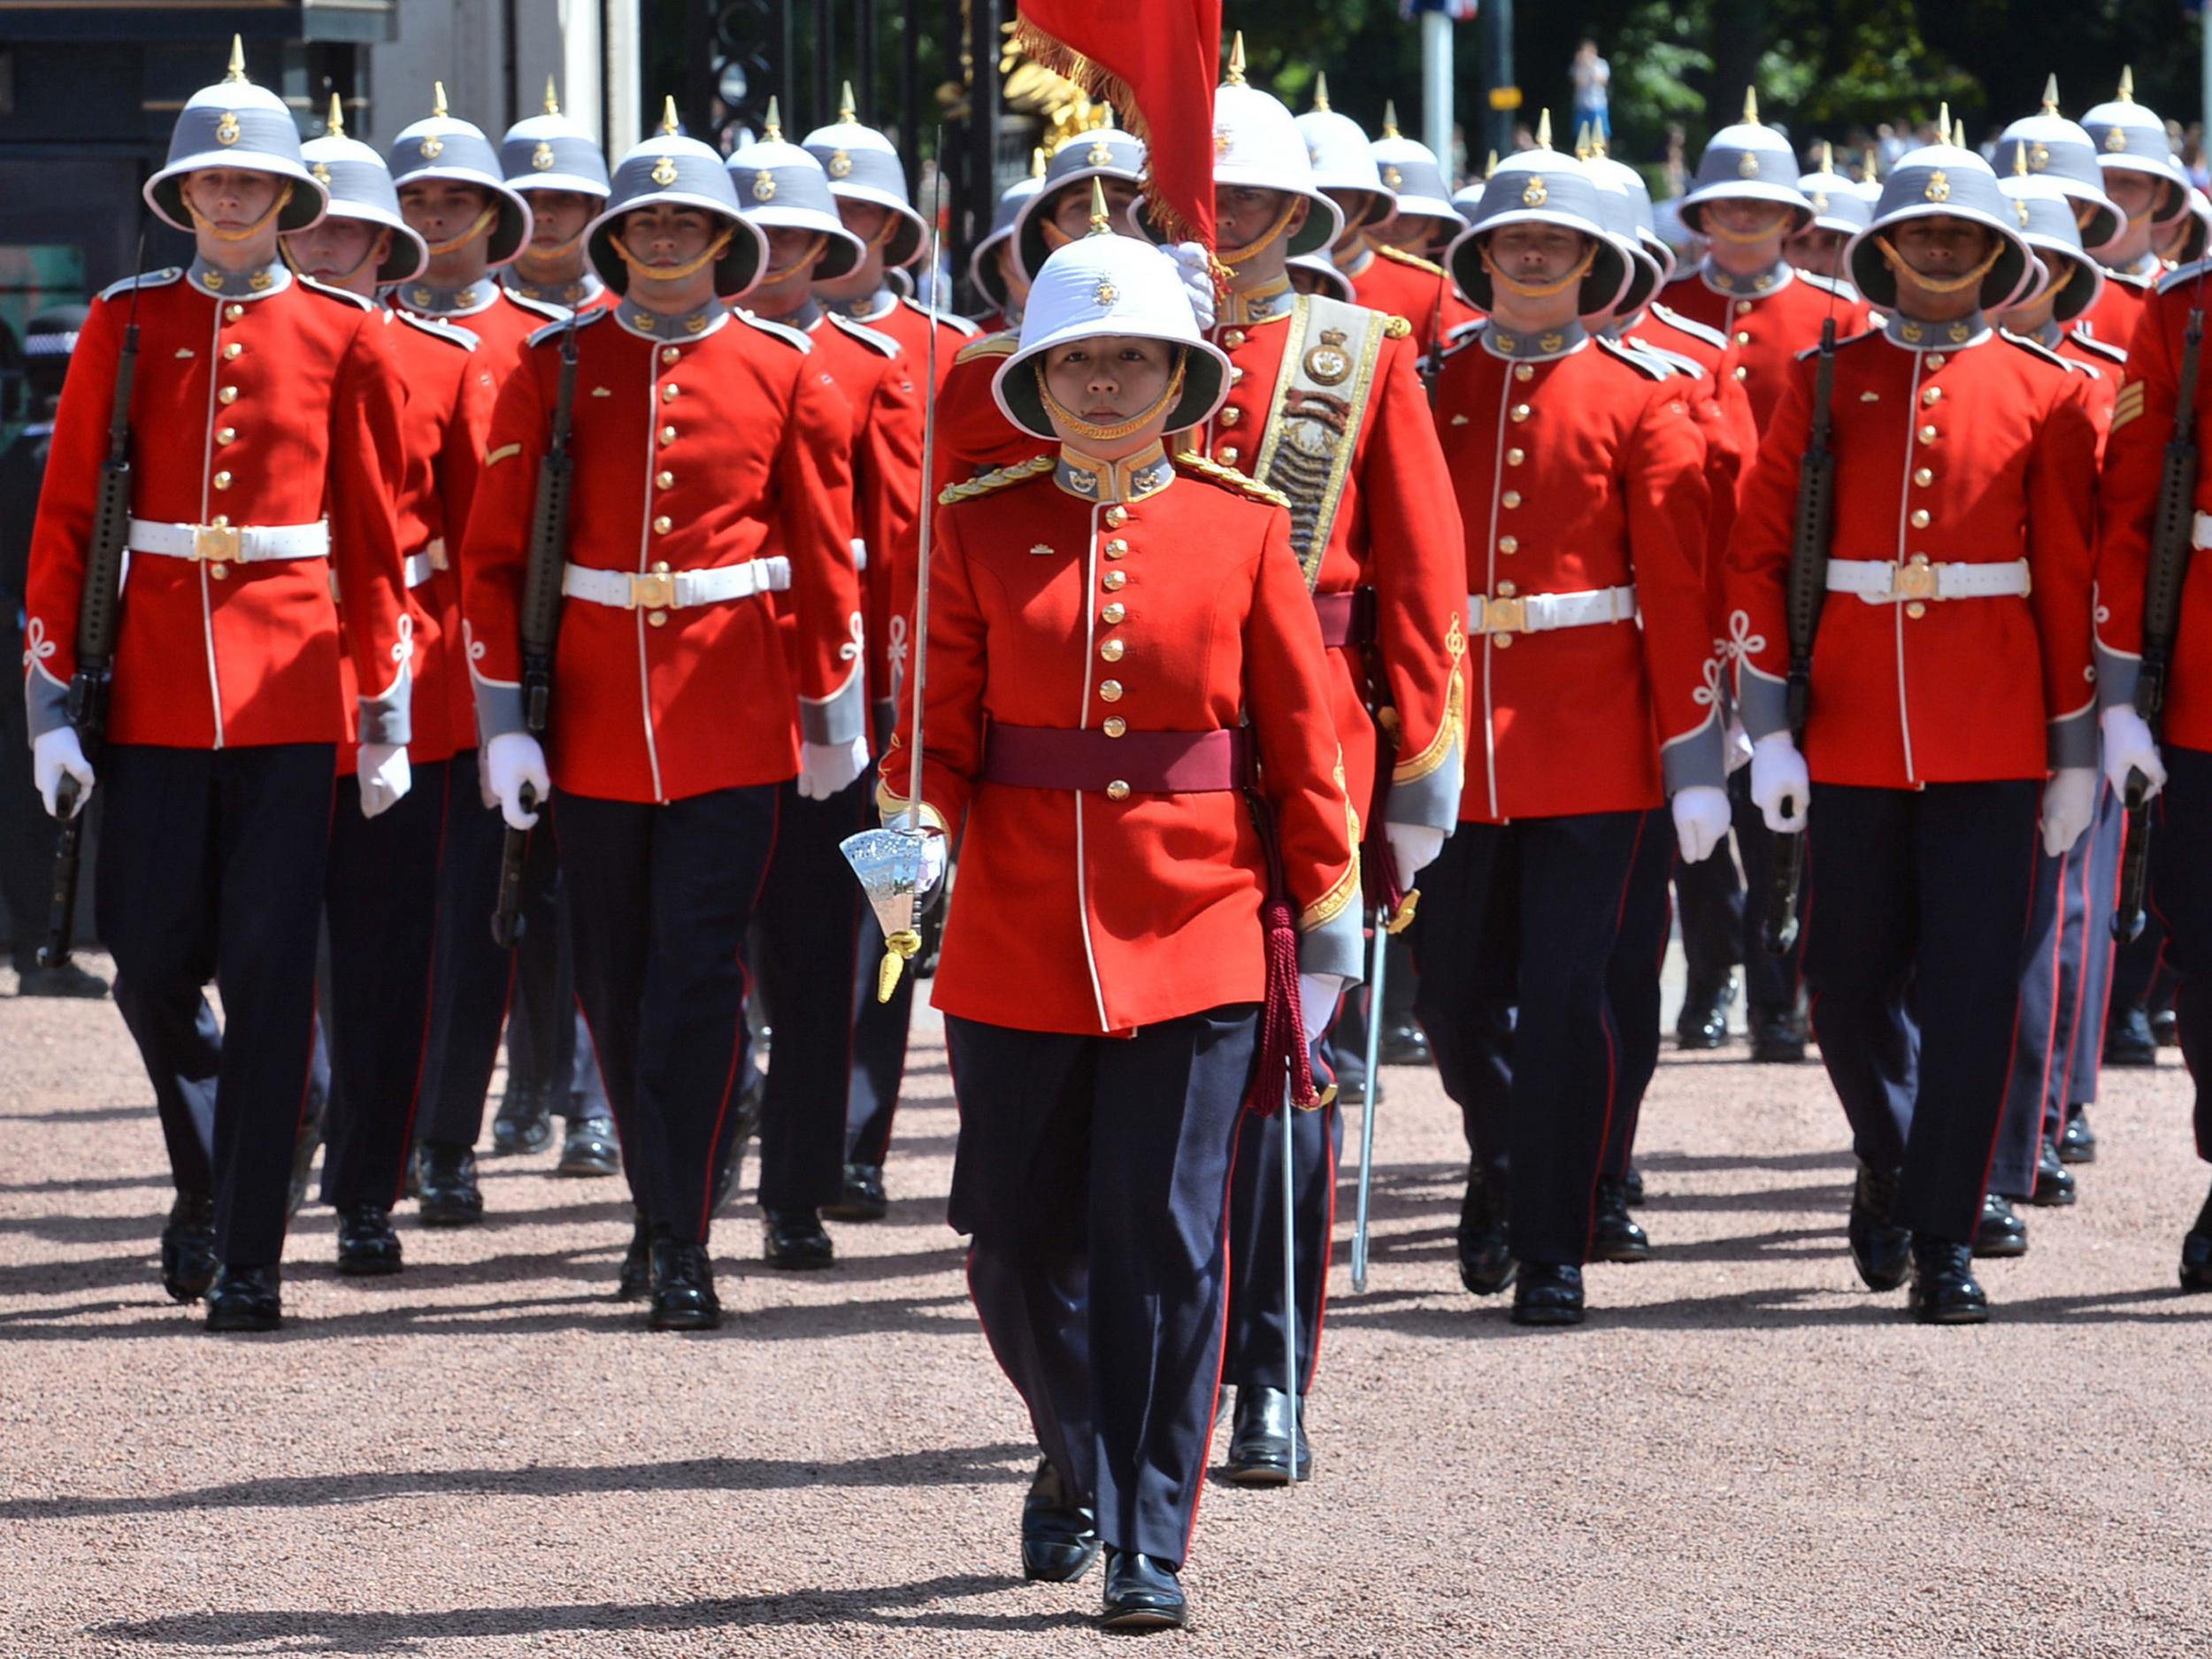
point(1700, 821)
point(54, 756)
point(2129, 746)
point(932, 870)
point(2070, 800)
point(1413, 847)
point(1317, 1003)
point(382, 772)
point(826, 768)
point(1780, 786)
point(510, 760)
point(1192, 264)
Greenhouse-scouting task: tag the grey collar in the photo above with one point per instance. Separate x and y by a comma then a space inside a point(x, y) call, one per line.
point(804, 318)
point(1773, 279)
point(583, 291)
point(1952, 336)
point(479, 295)
point(1132, 479)
point(1553, 343)
point(653, 326)
point(239, 285)
point(875, 308)
point(2049, 336)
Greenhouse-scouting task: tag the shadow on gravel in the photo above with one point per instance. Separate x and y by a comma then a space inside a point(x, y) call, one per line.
point(886, 1607)
point(996, 1464)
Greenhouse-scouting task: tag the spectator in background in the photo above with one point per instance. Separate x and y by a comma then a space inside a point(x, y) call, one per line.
point(1675, 162)
point(2192, 152)
point(1592, 76)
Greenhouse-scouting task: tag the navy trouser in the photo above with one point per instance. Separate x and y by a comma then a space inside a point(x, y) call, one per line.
point(211, 868)
point(2063, 988)
point(470, 972)
point(1709, 899)
point(810, 917)
point(1542, 899)
point(661, 896)
point(1631, 982)
point(1916, 913)
point(2181, 888)
point(879, 1034)
point(1769, 981)
point(381, 900)
point(1093, 1173)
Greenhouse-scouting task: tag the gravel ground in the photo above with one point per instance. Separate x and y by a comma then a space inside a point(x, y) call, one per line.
point(1742, 1452)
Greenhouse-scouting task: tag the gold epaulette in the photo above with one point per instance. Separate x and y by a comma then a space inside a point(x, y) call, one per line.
point(1229, 478)
point(1396, 328)
point(1001, 344)
point(1401, 257)
point(997, 477)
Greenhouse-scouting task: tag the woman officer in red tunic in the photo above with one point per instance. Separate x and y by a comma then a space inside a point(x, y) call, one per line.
point(1102, 622)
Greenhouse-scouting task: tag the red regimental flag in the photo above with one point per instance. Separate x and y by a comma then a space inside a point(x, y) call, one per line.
point(1155, 62)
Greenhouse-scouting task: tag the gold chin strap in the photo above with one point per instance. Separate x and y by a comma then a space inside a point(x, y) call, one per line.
point(1235, 257)
point(2059, 282)
point(485, 220)
point(1935, 285)
point(1540, 291)
point(200, 221)
point(1720, 233)
point(882, 238)
point(559, 250)
point(673, 273)
point(1090, 434)
point(783, 273)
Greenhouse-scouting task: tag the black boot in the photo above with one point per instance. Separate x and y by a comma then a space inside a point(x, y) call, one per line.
point(1486, 1262)
point(2001, 1234)
point(1059, 1534)
point(794, 1239)
point(68, 979)
point(1702, 1022)
point(187, 1247)
point(1259, 1444)
point(245, 1299)
point(637, 1263)
point(1614, 1234)
point(2196, 1252)
point(1142, 1593)
point(863, 1198)
point(683, 1287)
point(1632, 1187)
point(2077, 1141)
point(367, 1246)
point(1943, 1288)
point(1879, 1249)
point(1776, 1038)
point(1548, 1294)
point(590, 1147)
point(524, 1122)
point(451, 1197)
point(2128, 1039)
point(2053, 1181)
point(1404, 1043)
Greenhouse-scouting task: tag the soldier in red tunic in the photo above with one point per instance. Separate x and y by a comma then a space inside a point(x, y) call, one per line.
point(1950, 694)
point(2136, 160)
point(1115, 637)
point(2058, 151)
point(555, 165)
point(266, 415)
point(711, 473)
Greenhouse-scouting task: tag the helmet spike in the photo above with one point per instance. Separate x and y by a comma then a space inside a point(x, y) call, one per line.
point(2050, 95)
point(1321, 91)
point(1235, 77)
point(552, 97)
point(1751, 107)
point(670, 126)
point(2127, 85)
point(773, 127)
point(437, 98)
point(1827, 156)
point(1958, 136)
point(1102, 222)
point(336, 127)
point(1543, 129)
point(1582, 141)
point(847, 111)
point(1390, 117)
point(1490, 171)
point(1597, 140)
point(1037, 162)
point(1943, 122)
point(236, 73)
point(2020, 159)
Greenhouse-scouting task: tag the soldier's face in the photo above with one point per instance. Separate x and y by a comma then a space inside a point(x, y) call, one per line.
point(1244, 214)
point(343, 252)
point(1071, 208)
point(558, 217)
point(1816, 248)
point(1536, 254)
point(439, 210)
point(2134, 194)
point(1010, 270)
point(1108, 379)
point(231, 198)
point(1747, 220)
point(787, 252)
point(666, 235)
point(1360, 208)
point(1941, 246)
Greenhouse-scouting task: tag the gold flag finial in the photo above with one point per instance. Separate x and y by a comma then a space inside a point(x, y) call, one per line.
point(236, 73)
point(1037, 162)
point(552, 97)
point(670, 126)
point(2127, 85)
point(772, 130)
point(846, 110)
point(337, 127)
point(1236, 58)
point(1751, 107)
point(1827, 156)
point(1390, 117)
point(1543, 129)
point(1102, 224)
point(437, 98)
point(1321, 91)
point(2050, 95)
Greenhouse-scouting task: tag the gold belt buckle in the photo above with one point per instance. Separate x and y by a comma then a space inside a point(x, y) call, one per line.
point(655, 591)
point(1915, 578)
point(436, 550)
point(215, 541)
point(1505, 616)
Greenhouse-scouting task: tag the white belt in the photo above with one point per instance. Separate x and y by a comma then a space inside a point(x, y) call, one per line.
point(663, 589)
point(1886, 582)
point(421, 566)
point(1542, 613)
point(2200, 531)
point(232, 544)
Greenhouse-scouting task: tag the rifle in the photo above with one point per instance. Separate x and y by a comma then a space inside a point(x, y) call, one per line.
point(541, 622)
point(1808, 588)
point(2170, 547)
point(97, 605)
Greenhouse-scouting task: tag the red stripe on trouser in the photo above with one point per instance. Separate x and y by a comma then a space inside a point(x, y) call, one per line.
point(737, 1036)
point(429, 997)
point(2012, 1045)
point(1197, 1479)
point(1612, 1039)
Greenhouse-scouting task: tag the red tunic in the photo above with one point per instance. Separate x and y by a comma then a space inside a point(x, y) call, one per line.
point(2114, 317)
point(1978, 453)
point(2101, 369)
point(910, 325)
point(266, 409)
point(1722, 410)
point(727, 446)
point(1575, 473)
point(1406, 285)
point(1768, 329)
